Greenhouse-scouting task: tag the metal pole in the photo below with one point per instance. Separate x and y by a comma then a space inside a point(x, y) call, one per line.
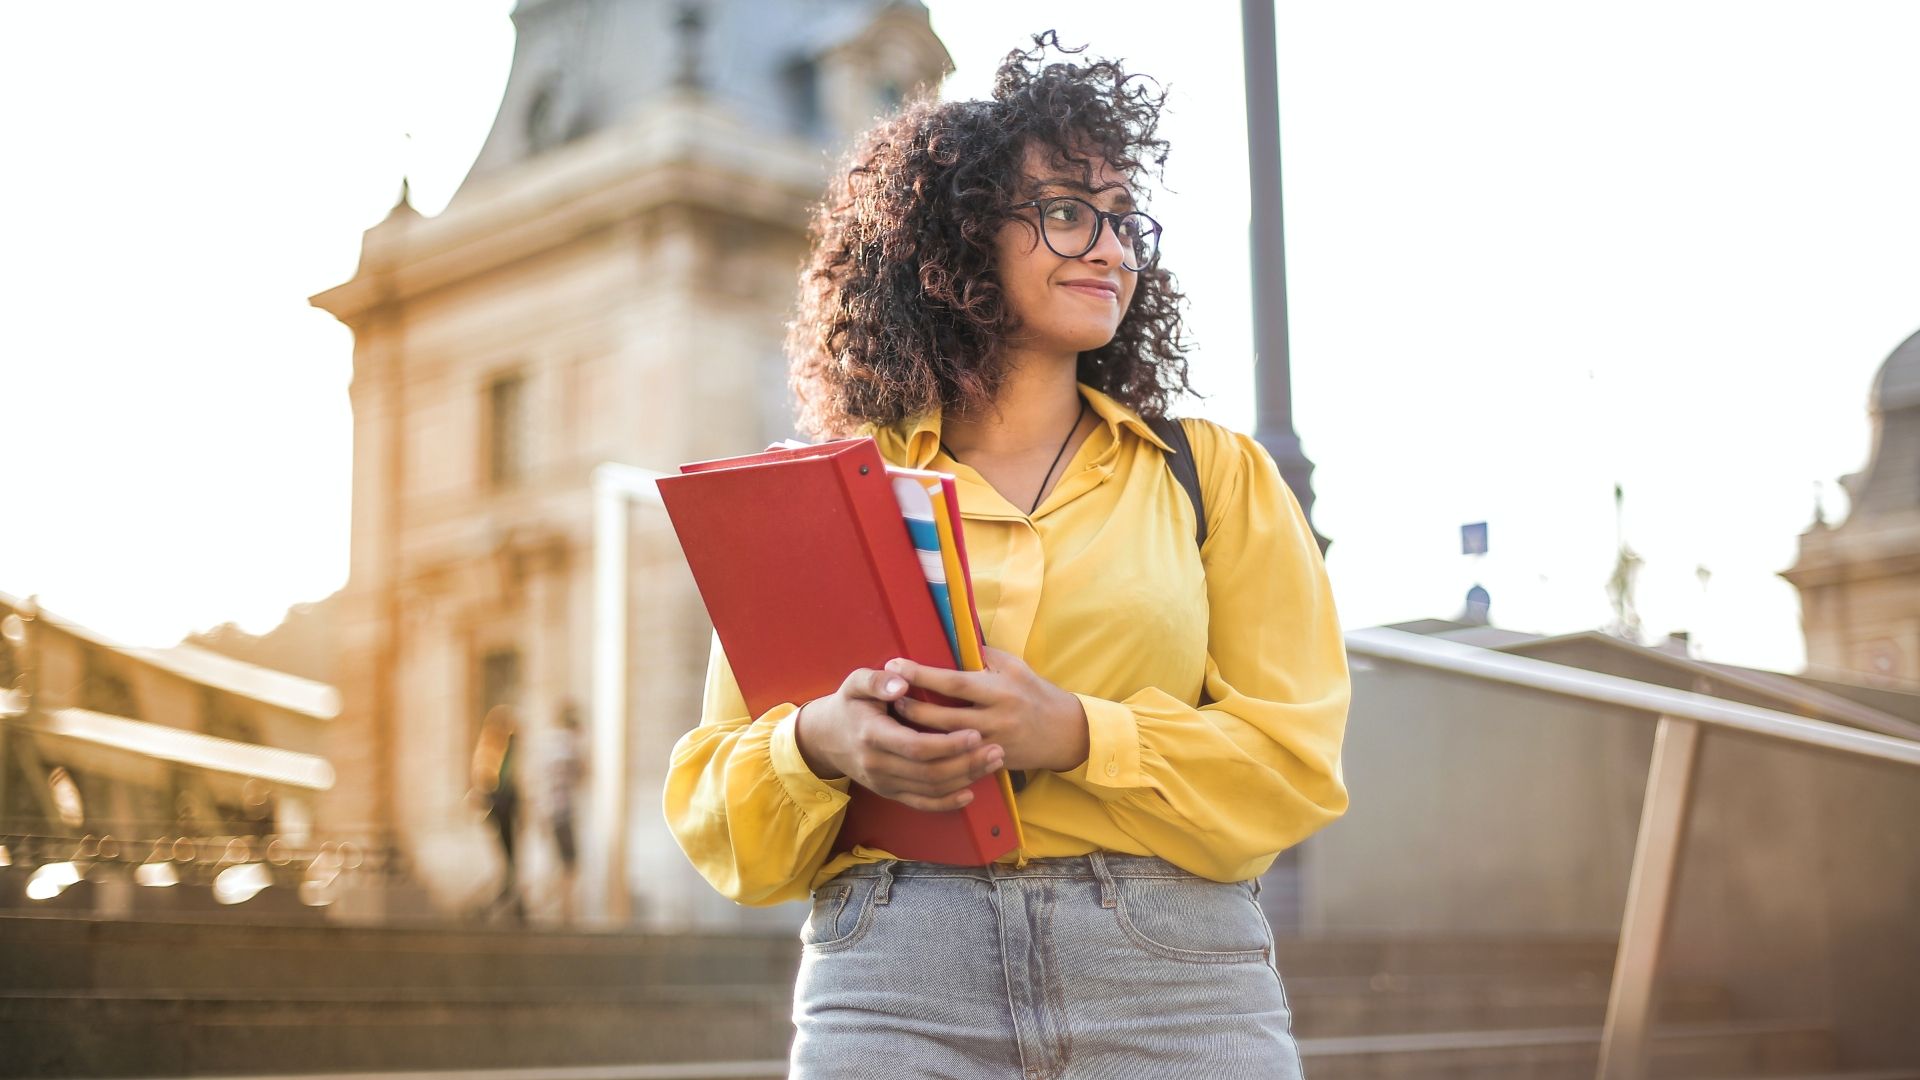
point(1272, 377)
point(1643, 929)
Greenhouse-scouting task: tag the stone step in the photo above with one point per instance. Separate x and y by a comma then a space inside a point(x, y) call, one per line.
point(1675, 1055)
point(1362, 1005)
point(68, 954)
point(99, 1036)
point(1854, 1074)
point(74, 954)
point(714, 1070)
point(1410, 955)
point(1322, 1006)
point(777, 1070)
point(1720, 1049)
point(148, 1037)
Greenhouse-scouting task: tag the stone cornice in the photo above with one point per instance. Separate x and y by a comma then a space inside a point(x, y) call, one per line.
point(681, 151)
point(1859, 550)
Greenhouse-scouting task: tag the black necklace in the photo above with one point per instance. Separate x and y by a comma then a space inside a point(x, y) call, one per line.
point(1077, 417)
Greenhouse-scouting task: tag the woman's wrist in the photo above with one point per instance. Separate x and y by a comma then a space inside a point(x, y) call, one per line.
point(805, 736)
point(1075, 740)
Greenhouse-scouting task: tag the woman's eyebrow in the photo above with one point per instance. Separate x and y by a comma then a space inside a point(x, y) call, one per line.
point(1123, 198)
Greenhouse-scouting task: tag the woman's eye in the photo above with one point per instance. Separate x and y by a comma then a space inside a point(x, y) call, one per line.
point(1064, 211)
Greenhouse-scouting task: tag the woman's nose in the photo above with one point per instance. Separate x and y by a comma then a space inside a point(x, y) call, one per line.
point(1107, 247)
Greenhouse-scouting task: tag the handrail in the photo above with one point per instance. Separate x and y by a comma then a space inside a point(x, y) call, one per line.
point(1683, 719)
point(1456, 658)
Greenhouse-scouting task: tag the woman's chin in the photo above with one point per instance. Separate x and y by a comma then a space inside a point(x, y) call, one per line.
point(1085, 338)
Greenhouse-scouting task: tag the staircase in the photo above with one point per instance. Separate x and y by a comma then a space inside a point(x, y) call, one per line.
point(126, 999)
point(85, 998)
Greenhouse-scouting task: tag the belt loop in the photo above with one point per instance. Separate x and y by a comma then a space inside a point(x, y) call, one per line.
point(883, 891)
point(1109, 893)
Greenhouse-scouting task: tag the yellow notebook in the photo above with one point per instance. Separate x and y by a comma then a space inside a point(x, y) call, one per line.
point(960, 590)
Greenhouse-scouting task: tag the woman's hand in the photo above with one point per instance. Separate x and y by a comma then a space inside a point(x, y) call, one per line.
point(851, 734)
point(1040, 725)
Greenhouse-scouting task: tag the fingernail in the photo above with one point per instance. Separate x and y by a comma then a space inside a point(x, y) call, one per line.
point(965, 797)
point(894, 665)
point(894, 686)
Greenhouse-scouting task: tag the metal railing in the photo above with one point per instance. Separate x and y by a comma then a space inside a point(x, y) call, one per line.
point(1684, 719)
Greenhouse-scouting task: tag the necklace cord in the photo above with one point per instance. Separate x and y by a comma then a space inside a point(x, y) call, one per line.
point(1077, 417)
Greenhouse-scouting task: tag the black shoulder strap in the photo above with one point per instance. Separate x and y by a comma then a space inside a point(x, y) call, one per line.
point(1174, 434)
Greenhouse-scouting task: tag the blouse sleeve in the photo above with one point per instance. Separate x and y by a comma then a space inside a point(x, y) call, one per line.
point(1220, 789)
point(753, 819)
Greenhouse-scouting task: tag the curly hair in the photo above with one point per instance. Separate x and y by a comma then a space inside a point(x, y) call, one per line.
point(901, 310)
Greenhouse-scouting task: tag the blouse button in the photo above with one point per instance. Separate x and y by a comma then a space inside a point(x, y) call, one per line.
point(822, 796)
point(1112, 769)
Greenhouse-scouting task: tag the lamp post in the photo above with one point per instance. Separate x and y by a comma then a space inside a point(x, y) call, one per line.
point(1272, 379)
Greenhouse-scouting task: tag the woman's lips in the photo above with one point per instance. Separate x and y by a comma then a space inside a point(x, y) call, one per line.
point(1098, 291)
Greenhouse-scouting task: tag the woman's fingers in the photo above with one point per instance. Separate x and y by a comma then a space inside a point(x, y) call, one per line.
point(942, 777)
point(889, 736)
point(896, 776)
point(874, 685)
point(944, 718)
point(974, 686)
point(935, 805)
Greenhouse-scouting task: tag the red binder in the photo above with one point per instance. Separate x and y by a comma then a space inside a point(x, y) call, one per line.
point(808, 573)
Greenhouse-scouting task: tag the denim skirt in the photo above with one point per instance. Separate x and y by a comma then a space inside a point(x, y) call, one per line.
point(1099, 967)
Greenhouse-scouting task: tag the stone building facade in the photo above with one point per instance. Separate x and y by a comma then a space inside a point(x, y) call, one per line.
point(610, 284)
point(1859, 581)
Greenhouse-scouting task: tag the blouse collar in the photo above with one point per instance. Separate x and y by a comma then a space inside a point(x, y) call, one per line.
point(915, 441)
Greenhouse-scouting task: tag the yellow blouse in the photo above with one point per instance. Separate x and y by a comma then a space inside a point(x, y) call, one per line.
point(1215, 681)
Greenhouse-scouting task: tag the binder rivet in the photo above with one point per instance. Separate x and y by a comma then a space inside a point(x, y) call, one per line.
point(996, 830)
point(863, 470)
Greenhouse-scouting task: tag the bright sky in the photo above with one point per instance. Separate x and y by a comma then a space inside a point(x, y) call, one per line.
point(1534, 250)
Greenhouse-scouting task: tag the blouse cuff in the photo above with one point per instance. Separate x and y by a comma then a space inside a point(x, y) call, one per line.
point(1113, 748)
point(816, 798)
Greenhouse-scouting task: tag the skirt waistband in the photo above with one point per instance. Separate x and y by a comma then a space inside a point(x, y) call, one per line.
point(1093, 867)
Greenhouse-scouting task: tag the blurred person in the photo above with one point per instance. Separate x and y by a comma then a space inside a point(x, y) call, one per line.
point(984, 299)
point(496, 790)
point(566, 769)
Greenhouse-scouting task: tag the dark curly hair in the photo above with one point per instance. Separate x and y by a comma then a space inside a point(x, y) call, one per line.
point(901, 309)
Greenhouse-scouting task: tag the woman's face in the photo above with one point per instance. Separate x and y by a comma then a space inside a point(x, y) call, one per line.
point(1066, 305)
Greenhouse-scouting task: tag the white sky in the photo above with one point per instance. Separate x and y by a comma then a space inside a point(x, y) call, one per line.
point(1534, 250)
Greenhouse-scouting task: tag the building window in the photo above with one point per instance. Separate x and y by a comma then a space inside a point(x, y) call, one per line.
point(225, 718)
point(106, 688)
point(803, 97)
point(506, 431)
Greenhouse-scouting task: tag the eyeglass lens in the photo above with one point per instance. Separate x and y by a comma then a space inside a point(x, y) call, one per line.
point(1069, 224)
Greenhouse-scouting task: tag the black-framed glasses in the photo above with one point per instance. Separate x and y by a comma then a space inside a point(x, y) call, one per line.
point(1071, 226)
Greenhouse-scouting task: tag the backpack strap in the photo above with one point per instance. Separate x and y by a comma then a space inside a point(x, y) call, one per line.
point(1181, 463)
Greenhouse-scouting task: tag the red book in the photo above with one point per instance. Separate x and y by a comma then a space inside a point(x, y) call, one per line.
point(808, 573)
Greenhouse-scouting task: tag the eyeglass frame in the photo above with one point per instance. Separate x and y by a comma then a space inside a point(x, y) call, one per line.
point(1099, 222)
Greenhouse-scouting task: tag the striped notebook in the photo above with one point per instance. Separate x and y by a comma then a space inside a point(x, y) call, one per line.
point(931, 507)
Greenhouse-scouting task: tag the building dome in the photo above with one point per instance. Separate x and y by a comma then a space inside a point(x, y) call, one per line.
point(1897, 386)
point(1891, 482)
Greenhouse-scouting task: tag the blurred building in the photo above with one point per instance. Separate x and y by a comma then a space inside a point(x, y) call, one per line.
point(609, 284)
point(1859, 581)
point(113, 756)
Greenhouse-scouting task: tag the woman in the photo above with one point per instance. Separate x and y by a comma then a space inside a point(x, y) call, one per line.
point(982, 300)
